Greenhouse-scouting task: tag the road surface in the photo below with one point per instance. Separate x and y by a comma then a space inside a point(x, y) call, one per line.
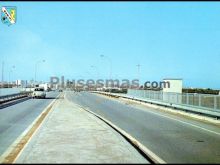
point(16, 118)
point(173, 138)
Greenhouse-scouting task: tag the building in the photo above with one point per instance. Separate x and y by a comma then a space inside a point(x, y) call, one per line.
point(175, 85)
point(173, 92)
point(21, 83)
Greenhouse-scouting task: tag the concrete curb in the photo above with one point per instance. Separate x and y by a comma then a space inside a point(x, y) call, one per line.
point(147, 153)
point(14, 150)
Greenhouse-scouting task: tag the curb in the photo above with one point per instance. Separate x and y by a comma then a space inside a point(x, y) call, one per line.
point(143, 150)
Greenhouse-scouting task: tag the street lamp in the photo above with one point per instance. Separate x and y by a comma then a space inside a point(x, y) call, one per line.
point(97, 72)
point(138, 66)
point(2, 75)
point(110, 62)
point(36, 70)
point(95, 67)
point(138, 76)
point(10, 74)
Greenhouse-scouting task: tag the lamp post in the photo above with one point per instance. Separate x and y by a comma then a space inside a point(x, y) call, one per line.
point(35, 75)
point(13, 67)
point(2, 83)
point(110, 62)
point(138, 66)
point(96, 69)
point(97, 72)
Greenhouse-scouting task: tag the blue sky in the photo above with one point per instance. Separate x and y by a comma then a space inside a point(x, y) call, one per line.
point(168, 39)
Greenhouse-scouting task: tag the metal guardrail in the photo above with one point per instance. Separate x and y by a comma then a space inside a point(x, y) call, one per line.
point(15, 96)
point(168, 100)
point(204, 101)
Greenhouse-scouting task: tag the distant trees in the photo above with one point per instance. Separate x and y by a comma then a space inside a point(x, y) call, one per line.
point(200, 90)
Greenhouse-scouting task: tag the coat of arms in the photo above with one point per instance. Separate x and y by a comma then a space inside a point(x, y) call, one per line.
point(8, 15)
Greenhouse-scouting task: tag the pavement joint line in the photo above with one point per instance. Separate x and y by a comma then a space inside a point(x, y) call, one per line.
point(193, 125)
point(14, 150)
point(147, 153)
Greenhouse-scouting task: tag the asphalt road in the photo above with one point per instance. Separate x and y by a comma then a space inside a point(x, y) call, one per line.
point(16, 118)
point(173, 138)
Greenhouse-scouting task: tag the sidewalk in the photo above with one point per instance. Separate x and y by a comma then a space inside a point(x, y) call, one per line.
point(72, 135)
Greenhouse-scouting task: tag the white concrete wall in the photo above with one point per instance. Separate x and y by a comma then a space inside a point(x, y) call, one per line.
point(176, 85)
point(172, 94)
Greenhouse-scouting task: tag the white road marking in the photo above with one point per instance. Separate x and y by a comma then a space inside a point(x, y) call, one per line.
point(217, 133)
point(193, 125)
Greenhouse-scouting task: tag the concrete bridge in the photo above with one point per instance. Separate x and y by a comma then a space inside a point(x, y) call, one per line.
point(104, 127)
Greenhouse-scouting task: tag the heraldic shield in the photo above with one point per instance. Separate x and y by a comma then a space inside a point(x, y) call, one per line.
point(8, 15)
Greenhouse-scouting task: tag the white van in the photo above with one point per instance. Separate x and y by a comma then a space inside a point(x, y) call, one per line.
point(39, 93)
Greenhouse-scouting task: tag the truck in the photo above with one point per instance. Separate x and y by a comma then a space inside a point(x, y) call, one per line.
point(46, 86)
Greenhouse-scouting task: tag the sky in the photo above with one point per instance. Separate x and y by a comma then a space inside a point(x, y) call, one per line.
point(167, 39)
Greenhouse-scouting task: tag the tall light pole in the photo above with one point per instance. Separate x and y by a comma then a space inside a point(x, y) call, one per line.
point(2, 84)
point(35, 75)
point(138, 66)
point(89, 74)
point(10, 74)
point(97, 72)
point(110, 62)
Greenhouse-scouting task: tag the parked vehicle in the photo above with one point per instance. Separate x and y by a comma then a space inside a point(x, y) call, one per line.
point(39, 93)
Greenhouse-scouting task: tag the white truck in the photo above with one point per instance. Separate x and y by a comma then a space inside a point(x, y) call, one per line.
point(46, 86)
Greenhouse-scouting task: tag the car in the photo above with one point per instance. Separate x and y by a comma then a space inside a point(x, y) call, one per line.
point(39, 93)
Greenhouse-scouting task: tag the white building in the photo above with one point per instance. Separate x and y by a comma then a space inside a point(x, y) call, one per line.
point(173, 92)
point(21, 83)
point(175, 85)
